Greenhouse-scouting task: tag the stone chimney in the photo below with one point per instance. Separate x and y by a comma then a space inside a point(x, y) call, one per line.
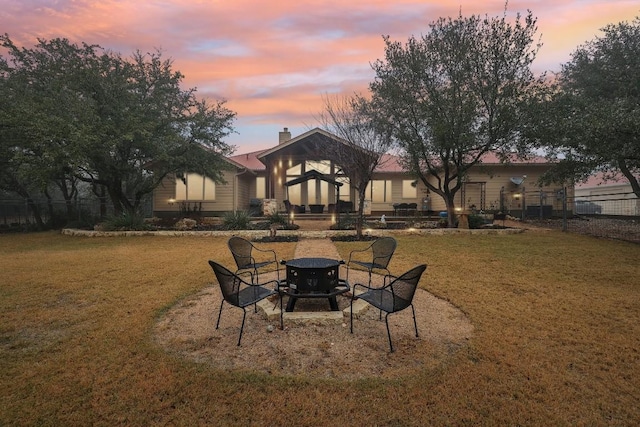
point(284, 136)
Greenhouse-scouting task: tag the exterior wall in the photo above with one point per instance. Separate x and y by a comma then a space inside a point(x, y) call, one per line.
point(224, 202)
point(614, 199)
point(501, 194)
point(163, 196)
point(488, 188)
point(396, 193)
point(245, 191)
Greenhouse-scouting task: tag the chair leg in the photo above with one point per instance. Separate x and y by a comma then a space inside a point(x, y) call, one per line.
point(414, 320)
point(281, 314)
point(219, 314)
point(386, 321)
point(244, 315)
point(351, 311)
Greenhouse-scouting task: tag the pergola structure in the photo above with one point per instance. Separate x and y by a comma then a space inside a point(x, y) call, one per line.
point(314, 174)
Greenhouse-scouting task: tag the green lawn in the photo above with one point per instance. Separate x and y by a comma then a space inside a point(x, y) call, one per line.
point(556, 340)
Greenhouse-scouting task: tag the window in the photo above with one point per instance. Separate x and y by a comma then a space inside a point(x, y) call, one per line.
point(345, 190)
point(195, 187)
point(409, 189)
point(323, 166)
point(312, 194)
point(380, 191)
point(261, 187)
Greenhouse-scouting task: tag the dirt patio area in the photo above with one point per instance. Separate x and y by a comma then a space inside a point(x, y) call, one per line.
point(315, 348)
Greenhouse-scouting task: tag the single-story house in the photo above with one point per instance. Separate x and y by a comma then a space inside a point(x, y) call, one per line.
point(296, 171)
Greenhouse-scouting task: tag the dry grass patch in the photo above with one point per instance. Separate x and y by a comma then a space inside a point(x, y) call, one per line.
point(556, 340)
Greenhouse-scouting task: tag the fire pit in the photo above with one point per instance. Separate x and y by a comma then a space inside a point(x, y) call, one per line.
point(313, 278)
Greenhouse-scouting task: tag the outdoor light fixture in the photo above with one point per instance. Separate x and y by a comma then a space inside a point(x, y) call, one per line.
point(333, 218)
point(291, 217)
point(171, 202)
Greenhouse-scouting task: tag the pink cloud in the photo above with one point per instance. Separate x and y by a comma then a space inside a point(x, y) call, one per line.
point(273, 61)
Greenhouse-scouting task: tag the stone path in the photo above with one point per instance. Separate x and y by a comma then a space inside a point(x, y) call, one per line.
point(316, 248)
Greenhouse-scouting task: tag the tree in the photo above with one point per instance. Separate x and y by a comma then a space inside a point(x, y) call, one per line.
point(455, 94)
point(590, 121)
point(37, 121)
point(125, 125)
point(362, 147)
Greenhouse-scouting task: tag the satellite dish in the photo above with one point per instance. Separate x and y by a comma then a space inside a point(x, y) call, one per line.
point(517, 180)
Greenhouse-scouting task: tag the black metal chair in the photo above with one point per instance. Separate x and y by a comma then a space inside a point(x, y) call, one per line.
point(240, 293)
point(412, 209)
point(393, 297)
point(243, 254)
point(381, 250)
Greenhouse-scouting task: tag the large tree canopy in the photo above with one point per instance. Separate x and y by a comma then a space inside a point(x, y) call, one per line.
point(85, 113)
point(455, 94)
point(591, 120)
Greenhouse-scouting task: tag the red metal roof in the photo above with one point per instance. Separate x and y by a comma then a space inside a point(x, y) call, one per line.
point(390, 163)
point(250, 160)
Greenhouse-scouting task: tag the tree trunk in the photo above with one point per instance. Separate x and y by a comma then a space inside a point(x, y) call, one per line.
point(35, 211)
point(360, 216)
point(451, 211)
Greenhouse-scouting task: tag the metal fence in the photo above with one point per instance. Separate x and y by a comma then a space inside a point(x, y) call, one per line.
point(608, 215)
point(18, 213)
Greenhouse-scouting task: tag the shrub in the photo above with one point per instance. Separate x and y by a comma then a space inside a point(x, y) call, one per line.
point(277, 219)
point(238, 220)
point(125, 221)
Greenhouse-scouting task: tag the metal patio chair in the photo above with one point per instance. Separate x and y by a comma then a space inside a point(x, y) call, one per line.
point(393, 297)
point(240, 293)
point(244, 252)
point(381, 251)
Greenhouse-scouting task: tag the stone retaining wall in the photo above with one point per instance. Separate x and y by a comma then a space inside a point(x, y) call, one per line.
point(306, 233)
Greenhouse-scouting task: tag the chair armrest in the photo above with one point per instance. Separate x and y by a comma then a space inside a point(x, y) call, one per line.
point(355, 251)
point(276, 282)
point(267, 250)
point(353, 288)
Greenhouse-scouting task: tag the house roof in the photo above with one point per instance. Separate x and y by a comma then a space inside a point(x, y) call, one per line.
point(599, 180)
point(493, 159)
point(249, 160)
point(389, 162)
point(294, 141)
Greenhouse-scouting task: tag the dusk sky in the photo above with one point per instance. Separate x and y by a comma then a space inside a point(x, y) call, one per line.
point(273, 61)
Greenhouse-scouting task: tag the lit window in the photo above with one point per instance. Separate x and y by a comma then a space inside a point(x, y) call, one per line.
point(195, 187)
point(380, 191)
point(345, 190)
point(409, 189)
point(261, 187)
